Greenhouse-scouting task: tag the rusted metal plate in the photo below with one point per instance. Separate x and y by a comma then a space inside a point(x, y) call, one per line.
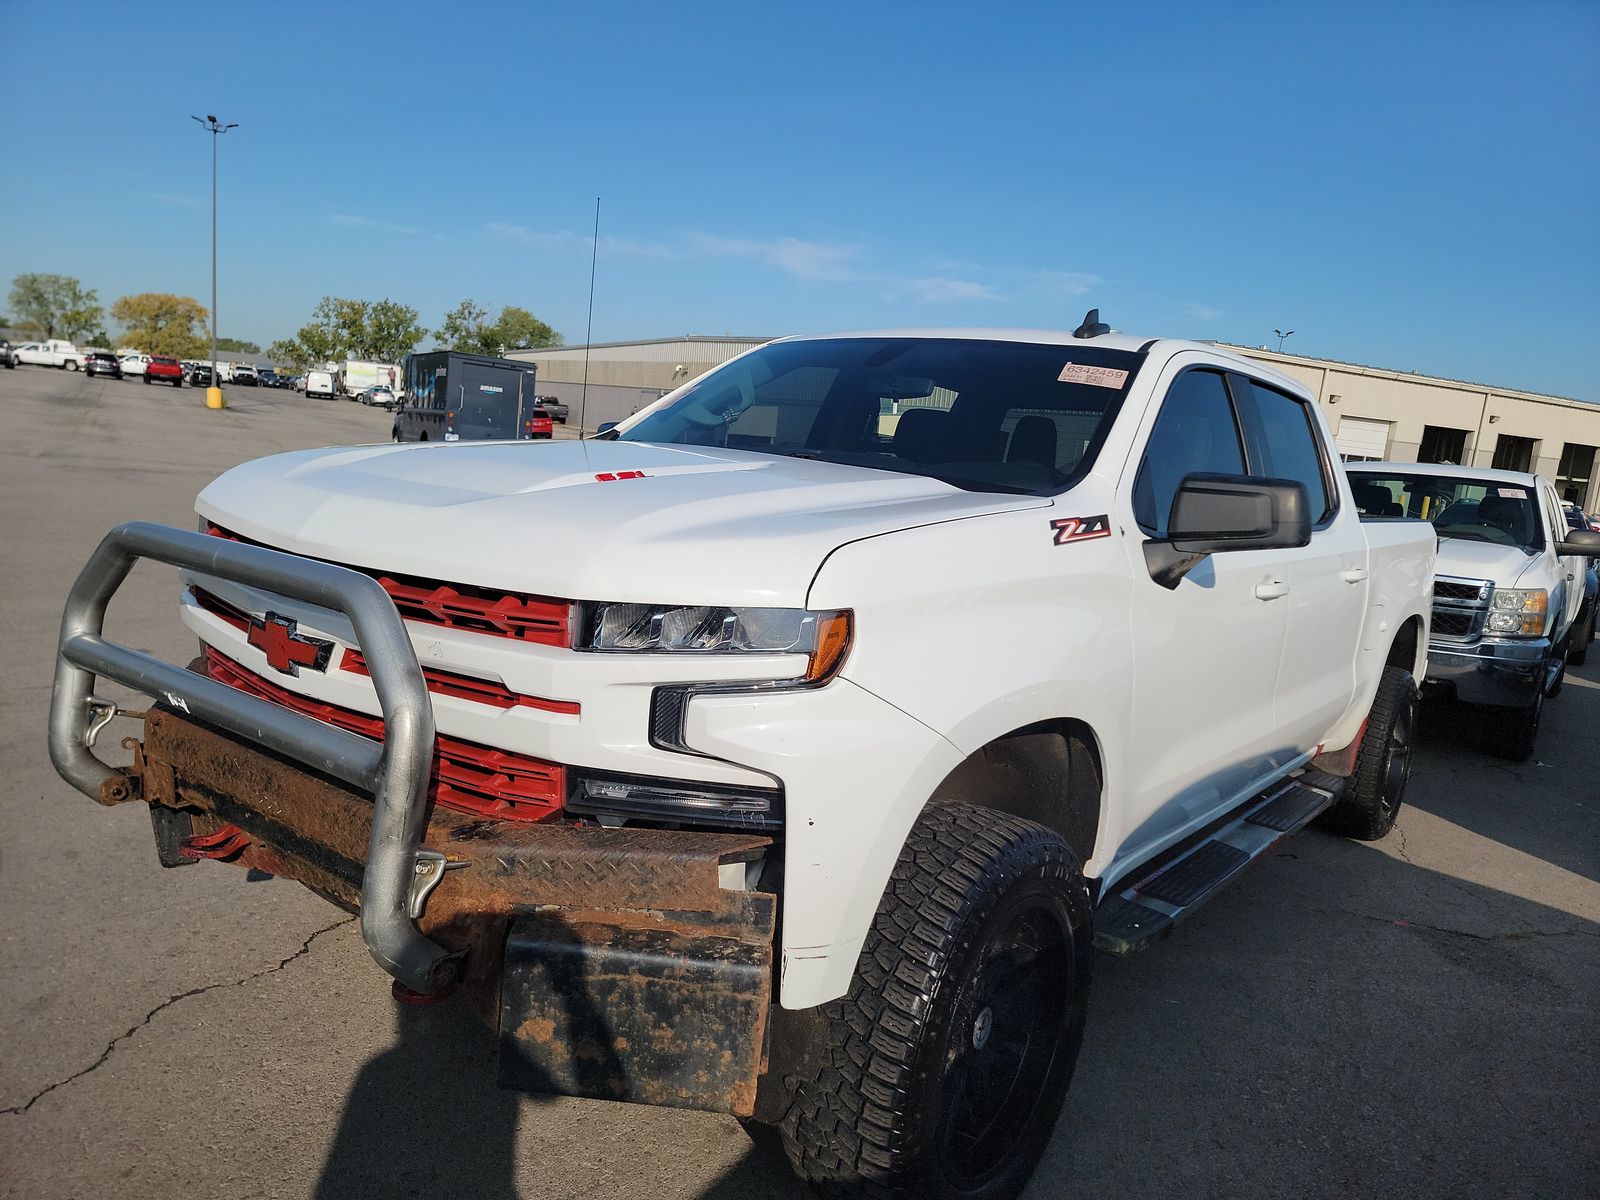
point(655, 1013)
point(315, 830)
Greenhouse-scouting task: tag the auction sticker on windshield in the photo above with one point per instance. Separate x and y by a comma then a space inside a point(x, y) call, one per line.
point(1106, 377)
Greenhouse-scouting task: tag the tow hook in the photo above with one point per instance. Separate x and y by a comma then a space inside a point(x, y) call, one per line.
point(101, 713)
point(221, 845)
point(430, 868)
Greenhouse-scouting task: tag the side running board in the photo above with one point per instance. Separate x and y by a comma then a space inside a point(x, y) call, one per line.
point(1133, 917)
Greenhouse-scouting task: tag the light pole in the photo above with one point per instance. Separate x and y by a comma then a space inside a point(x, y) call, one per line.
point(1282, 333)
point(214, 127)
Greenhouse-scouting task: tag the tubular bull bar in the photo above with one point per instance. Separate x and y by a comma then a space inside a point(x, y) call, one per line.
point(624, 964)
point(395, 772)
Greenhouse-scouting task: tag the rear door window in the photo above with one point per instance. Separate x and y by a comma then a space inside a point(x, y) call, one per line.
point(1283, 443)
point(1195, 431)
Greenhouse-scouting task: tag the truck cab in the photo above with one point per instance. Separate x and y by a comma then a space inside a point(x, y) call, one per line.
point(1510, 603)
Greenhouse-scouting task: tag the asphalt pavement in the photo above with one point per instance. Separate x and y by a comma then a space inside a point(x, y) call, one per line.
point(1412, 1018)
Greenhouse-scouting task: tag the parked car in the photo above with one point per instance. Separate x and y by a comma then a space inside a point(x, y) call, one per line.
point(244, 376)
point(538, 425)
point(102, 362)
point(320, 385)
point(964, 691)
point(379, 395)
point(199, 375)
point(8, 355)
point(1509, 594)
point(53, 352)
point(557, 410)
point(270, 378)
point(163, 368)
point(1578, 519)
point(134, 364)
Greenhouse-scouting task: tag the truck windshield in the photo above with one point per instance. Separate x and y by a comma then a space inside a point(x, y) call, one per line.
point(979, 415)
point(1503, 514)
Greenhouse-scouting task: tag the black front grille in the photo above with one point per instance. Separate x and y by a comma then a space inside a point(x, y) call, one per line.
point(1447, 623)
point(1457, 591)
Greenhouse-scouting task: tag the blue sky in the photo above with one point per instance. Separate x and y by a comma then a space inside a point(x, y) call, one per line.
point(1410, 185)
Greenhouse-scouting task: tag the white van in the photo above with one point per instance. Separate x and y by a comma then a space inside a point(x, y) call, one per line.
point(320, 384)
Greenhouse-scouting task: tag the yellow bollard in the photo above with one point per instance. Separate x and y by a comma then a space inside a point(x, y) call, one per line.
point(214, 398)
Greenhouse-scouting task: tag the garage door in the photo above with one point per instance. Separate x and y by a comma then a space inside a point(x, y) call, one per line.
point(1361, 440)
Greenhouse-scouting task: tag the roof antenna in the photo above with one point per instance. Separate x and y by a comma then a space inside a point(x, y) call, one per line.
point(1092, 325)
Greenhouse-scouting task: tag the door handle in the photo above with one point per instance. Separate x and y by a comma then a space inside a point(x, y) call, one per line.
point(1271, 589)
point(1354, 574)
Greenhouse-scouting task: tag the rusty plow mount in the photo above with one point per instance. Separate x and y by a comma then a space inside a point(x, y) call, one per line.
point(612, 962)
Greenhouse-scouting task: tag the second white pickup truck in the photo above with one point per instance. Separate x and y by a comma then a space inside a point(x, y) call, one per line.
point(786, 750)
point(1510, 607)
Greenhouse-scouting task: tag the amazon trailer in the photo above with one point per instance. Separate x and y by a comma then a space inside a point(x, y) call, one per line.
point(455, 397)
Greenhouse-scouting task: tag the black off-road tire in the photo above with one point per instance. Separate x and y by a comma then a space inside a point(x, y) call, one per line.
point(982, 938)
point(1516, 730)
point(1373, 796)
point(1582, 635)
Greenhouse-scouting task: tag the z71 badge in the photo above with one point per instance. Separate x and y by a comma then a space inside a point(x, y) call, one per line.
point(1081, 529)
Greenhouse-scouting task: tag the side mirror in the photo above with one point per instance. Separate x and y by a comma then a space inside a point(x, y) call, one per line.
point(1580, 541)
point(1216, 514)
point(605, 427)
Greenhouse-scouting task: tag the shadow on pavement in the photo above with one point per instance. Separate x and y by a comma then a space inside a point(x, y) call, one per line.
point(1535, 806)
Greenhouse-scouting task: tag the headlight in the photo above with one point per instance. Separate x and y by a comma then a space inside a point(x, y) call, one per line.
point(709, 629)
point(1518, 612)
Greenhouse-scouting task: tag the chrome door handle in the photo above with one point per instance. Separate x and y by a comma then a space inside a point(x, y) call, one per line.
point(1271, 589)
point(1354, 575)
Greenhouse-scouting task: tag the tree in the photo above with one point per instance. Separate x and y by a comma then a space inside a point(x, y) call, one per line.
point(236, 346)
point(390, 332)
point(57, 304)
point(381, 330)
point(161, 323)
point(521, 330)
point(289, 352)
point(467, 327)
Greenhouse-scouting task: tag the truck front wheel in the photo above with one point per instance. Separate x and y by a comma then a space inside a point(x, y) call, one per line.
point(942, 1072)
point(1372, 797)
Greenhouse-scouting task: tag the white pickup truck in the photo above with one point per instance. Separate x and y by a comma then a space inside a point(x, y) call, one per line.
point(786, 750)
point(1510, 604)
point(52, 352)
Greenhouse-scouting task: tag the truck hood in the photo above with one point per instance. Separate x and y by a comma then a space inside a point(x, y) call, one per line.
point(1481, 560)
point(700, 526)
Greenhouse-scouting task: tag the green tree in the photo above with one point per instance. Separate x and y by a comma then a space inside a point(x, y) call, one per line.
point(467, 327)
point(380, 330)
point(161, 323)
point(236, 346)
point(389, 332)
point(289, 352)
point(56, 304)
point(521, 330)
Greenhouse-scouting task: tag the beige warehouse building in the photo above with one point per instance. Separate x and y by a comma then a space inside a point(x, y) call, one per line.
point(1374, 413)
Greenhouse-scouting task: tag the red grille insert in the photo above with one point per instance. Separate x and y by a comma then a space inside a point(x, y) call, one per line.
point(440, 682)
point(466, 776)
point(469, 687)
point(459, 606)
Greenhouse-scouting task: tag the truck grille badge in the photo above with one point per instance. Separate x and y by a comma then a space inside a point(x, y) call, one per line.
point(288, 650)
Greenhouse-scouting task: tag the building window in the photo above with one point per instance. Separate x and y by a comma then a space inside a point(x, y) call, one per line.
point(1441, 445)
point(1574, 473)
point(1514, 453)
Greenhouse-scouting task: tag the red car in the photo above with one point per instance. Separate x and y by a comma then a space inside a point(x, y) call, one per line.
point(538, 425)
point(166, 370)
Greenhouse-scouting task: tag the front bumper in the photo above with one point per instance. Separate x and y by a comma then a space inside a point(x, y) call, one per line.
point(1506, 673)
point(624, 964)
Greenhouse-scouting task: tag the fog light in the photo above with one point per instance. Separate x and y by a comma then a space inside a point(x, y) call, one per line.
point(680, 801)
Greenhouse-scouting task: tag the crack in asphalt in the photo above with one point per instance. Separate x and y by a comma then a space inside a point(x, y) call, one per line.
point(1464, 888)
point(1515, 935)
point(105, 1055)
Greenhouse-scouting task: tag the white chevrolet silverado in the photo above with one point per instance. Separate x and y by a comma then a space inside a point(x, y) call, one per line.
point(786, 750)
point(1510, 604)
